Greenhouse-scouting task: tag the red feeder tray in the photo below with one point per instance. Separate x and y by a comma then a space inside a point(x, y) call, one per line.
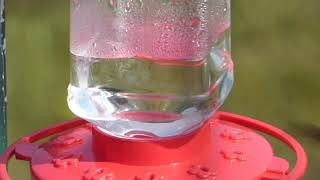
point(226, 148)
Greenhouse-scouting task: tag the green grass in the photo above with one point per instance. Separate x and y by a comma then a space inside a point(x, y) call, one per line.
point(275, 50)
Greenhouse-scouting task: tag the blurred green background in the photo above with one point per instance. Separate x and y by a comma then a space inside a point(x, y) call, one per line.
point(276, 50)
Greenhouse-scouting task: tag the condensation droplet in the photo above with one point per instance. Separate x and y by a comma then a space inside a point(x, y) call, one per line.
point(169, 27)
point(114, 49)
point(195, 22)
point(76, 2)
point(164, 35)
point(166, 1)
point(127, 6)
point(113, 4)
point(140, 3)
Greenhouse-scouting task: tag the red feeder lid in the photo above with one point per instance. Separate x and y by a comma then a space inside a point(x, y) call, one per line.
point(224, 149)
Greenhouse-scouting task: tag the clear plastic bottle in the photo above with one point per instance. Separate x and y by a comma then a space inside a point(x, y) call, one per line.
point(149, 68)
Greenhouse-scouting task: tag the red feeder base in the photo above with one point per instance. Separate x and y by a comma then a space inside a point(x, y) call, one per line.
point(224, 149)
